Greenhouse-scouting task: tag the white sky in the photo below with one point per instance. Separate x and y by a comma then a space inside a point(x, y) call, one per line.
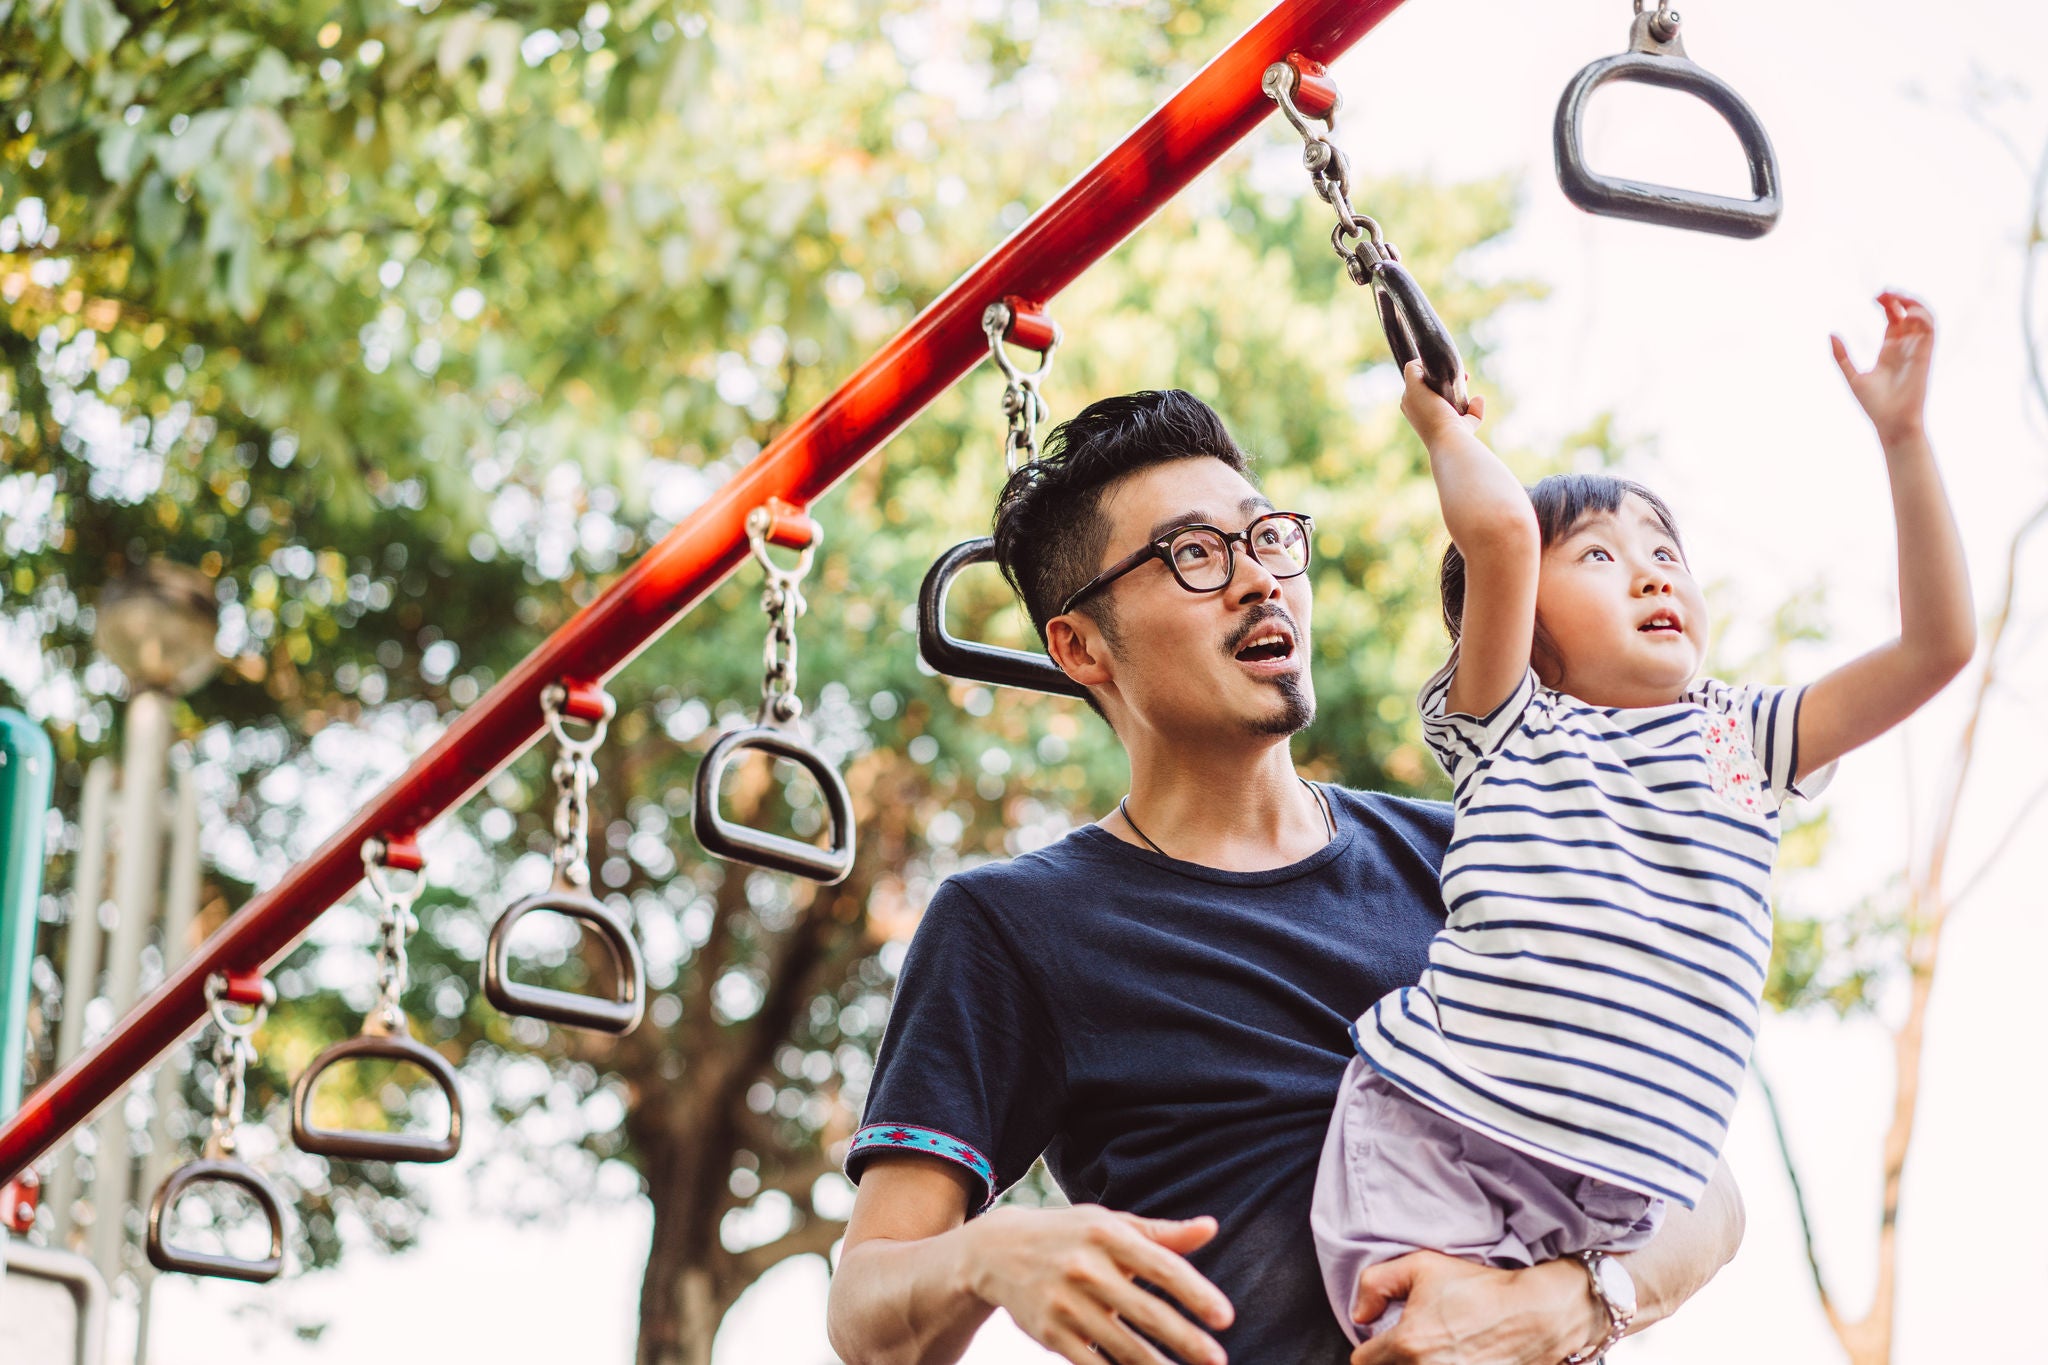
point(1715, 353)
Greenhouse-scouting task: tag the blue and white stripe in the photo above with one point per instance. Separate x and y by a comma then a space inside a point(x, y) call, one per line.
point(1593, 997)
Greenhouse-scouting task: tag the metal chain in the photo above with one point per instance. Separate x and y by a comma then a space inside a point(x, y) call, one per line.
point(1357, 238)
point(396, 922)
point(782, 599)
point(573, 773)
point(232, 1054)
point(1023, 406)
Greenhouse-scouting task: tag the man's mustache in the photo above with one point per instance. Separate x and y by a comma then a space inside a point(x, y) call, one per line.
point(1259, 617)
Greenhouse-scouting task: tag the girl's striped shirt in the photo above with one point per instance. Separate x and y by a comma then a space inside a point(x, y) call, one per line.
point(1593, 996)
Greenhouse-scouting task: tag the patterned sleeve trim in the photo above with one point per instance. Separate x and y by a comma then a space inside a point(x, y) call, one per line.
point(903, 1137)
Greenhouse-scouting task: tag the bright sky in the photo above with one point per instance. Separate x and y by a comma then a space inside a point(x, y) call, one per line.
point(1713, 353)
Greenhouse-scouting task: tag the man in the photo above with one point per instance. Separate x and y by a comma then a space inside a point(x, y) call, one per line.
point(1158, 1003)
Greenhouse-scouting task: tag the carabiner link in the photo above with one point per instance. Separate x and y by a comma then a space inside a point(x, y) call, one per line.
point(395, 923)
point(782, 599)
point(1664, 23)
point(1413, 329)
point(573, 772)
point(1023, 407)
point(232, 1054)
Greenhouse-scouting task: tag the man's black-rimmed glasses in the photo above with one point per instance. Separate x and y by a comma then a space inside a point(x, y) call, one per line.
point(1203, 558)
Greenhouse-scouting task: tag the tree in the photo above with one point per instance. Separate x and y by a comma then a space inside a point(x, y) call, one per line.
point(411, 323)
point(1881, 958)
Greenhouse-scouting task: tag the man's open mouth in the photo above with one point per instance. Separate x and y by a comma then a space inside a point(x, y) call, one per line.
point(1266, 646)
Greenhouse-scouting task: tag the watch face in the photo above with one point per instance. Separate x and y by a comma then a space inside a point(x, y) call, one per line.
point(1615, 1284)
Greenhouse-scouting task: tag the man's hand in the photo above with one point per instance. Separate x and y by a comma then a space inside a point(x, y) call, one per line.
point(1426, 410)
point(1893, 391)
point(1458, 1313)
point(1066, 1277)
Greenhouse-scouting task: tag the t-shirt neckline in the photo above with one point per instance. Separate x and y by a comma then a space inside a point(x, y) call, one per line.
point(1096, 835)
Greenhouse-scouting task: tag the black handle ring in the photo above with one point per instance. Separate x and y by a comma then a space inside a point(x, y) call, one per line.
point(620, 1014)
point(226, 1171)
point(1415, 332)
point(722, 838)
point(957, 658)
point(1665, 205)
point(365, 1146)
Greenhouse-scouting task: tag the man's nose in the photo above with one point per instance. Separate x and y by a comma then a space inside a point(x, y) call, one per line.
point(1252, 580)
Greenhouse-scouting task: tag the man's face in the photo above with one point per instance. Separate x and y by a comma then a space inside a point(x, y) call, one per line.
point(1203, 665)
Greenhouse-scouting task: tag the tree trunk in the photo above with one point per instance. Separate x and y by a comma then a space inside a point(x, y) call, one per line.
point(687, 1286)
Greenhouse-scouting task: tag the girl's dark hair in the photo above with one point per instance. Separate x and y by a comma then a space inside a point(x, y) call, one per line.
point(1562, 501)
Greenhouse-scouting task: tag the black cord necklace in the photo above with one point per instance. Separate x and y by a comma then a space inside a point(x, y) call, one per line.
point(1123, 808)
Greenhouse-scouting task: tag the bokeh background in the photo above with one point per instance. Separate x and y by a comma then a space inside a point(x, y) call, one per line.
point(409, 324)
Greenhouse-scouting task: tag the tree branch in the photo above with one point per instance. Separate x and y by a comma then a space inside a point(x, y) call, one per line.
point(1999, 849)
point(1820, 1284)
point(814, 1236)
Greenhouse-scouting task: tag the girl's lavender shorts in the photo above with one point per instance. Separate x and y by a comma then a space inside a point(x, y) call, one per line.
point(1397, 1177)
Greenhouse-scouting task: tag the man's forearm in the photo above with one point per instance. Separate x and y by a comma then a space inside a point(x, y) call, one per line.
point(904, 1303)
point(1686, 1252)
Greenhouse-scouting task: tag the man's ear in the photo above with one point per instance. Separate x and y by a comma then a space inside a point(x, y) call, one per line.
point(1077, 646)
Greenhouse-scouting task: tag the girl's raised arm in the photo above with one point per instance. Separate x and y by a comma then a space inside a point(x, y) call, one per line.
point(1937, 620)
point(1491, 521)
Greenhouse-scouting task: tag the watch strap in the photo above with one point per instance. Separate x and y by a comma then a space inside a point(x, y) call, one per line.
point(1617, 1320)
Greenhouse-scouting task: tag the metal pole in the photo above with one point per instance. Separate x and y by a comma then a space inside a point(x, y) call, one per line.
point(181, 907)
point(81, 964)
point(1084, 223)
point(138, 869)
point(27, 768)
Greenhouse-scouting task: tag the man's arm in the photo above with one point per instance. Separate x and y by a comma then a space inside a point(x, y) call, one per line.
point(916, 1280)
point(1458, 1313)
point(1687, 1251)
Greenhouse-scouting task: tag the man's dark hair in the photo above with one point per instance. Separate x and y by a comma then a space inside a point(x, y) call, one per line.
point(1050, 533)
point(1562, 501)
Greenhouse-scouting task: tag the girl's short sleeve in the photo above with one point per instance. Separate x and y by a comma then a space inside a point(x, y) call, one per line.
point(1459, 740)
point(970, 1068)
point(1769, 717)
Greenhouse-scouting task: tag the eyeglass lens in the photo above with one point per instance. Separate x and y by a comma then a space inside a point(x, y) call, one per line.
point(1201, 557)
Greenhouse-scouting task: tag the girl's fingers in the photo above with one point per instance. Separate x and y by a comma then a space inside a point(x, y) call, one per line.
point(1849, 370)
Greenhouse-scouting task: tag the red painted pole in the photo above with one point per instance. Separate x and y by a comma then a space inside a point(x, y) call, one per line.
point(1087, 220)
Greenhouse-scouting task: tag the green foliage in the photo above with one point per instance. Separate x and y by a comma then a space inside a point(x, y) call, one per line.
point(412, 323)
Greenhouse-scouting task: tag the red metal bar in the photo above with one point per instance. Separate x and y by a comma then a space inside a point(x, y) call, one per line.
point(1084, 223)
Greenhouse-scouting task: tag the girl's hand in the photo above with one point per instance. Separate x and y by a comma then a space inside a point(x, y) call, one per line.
point(1894, 390)
point(1426, 410)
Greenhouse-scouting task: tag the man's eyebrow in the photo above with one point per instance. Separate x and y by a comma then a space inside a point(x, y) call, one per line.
point(1174, 523)
point(1255, 503)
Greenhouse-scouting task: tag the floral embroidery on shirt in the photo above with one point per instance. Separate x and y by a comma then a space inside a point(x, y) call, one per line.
point(1732, 768)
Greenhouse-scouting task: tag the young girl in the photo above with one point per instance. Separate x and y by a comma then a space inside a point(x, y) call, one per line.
point(1569, 1061)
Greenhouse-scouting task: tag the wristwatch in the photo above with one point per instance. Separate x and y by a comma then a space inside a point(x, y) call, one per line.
point(1617, 1294)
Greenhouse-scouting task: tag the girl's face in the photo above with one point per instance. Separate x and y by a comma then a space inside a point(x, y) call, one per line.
point(1627, 622)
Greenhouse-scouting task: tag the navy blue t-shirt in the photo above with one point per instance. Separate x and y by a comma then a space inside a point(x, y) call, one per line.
point(1168, 1035)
